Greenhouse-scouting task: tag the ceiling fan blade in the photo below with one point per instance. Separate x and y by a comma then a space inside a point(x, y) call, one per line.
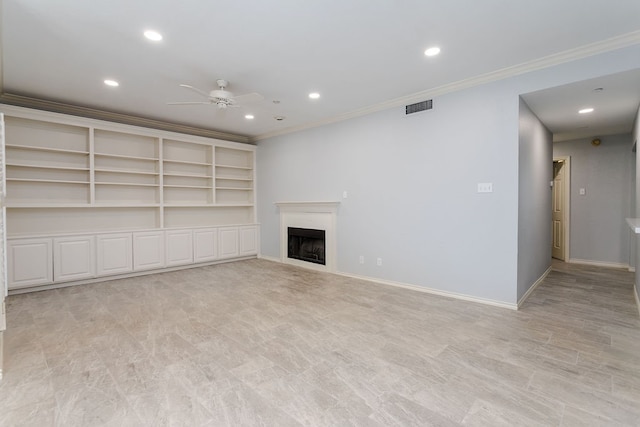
point(190, 103)
point(248, 98)
point(196, 90)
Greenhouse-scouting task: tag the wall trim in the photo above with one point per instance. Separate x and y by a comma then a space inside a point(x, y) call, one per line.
point(637, 297)
point(432, 291)
point(618, 42)
point(599, 263)
point(533, 287)
point(270, 258)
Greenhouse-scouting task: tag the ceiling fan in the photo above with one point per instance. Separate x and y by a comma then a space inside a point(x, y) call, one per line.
point(220, 97)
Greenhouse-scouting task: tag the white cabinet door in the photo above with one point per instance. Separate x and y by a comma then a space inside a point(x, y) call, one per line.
point(205, 244)
point(179, 247)
point(30, 262)
point(148, 250)
point(248, 240)
point(73, 258)
point(114, 254)
point(228, 243)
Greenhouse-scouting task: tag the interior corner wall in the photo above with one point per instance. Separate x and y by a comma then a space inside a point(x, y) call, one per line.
point(598, 230)
point(535, 172)
point(412, 184)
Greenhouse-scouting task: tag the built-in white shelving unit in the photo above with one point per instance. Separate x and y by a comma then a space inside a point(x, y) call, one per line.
point(69, 176)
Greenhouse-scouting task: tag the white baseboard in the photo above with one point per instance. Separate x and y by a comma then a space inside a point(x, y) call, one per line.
point(269, 258)
point(534, 286)
point(122, 276)
point(599, 263)
point(455, 295)
point(433, 291)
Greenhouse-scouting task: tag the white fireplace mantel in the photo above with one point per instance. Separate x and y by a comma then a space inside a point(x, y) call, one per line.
point(308, 206)
point(315, 215)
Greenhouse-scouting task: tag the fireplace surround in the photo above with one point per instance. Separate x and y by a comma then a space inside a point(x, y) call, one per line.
point(321, 217)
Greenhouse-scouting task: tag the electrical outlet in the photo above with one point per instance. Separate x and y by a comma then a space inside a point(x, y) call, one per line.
point(361, 259)
point(379, 262)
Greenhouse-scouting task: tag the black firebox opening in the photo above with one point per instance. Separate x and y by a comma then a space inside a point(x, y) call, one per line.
point(306, 244)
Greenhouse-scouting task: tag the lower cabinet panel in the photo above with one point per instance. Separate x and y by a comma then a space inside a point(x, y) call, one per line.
point(248, 241)
point(73, 258)
point(114, 254)
point(148, 250)
point(179, 247)
point(205, 244)
point(228, 242)
point(29, 262)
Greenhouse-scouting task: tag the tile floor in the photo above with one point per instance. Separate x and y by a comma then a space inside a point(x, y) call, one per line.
point(259, 343)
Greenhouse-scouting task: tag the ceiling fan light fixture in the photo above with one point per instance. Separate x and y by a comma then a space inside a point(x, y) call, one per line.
point(153, 35)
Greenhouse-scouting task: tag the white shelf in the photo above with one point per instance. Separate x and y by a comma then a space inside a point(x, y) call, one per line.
point(19, 165)
point(234, 167)
point(47, 181)
point(187, 186)
point(207, 205)
point(232, 178)
point(127, 184)
point(185, 162)
point(53, 150)
point(234, 188)
point(187, 175)
point(130, 172)
point(122, 156)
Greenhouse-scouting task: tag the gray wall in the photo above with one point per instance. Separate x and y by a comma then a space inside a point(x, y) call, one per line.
point(412, 183)
point(534, 199)
point(598, 229)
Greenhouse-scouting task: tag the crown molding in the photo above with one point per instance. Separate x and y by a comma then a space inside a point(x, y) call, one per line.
point(92, 113)
point(619, 42)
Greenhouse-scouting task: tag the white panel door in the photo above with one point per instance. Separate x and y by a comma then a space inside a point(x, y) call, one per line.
point(148, 250)
point(205, 244)
point(114, 254)
point(179, 247)
point(73, 258)
point(248, 240)
point(228, 244)
point(30, 262)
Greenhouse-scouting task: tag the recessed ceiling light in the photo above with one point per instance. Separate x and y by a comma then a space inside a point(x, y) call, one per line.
point(586, 111)
point(314, 95)
point(153, 35)
point(111, 83)
point(249, 116)
point(432, 51)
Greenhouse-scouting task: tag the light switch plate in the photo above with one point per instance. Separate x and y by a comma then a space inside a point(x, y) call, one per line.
point(485, 187)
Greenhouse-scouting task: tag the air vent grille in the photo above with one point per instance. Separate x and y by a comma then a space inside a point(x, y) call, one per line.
point(419, 106)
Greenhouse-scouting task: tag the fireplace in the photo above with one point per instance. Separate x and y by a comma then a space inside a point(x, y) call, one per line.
point(306, 244)
point(315, 246)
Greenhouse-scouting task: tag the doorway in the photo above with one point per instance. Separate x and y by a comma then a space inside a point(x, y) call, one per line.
point(560, 205)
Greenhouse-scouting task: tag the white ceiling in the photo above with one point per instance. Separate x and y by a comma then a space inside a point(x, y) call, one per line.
point(358, 54)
